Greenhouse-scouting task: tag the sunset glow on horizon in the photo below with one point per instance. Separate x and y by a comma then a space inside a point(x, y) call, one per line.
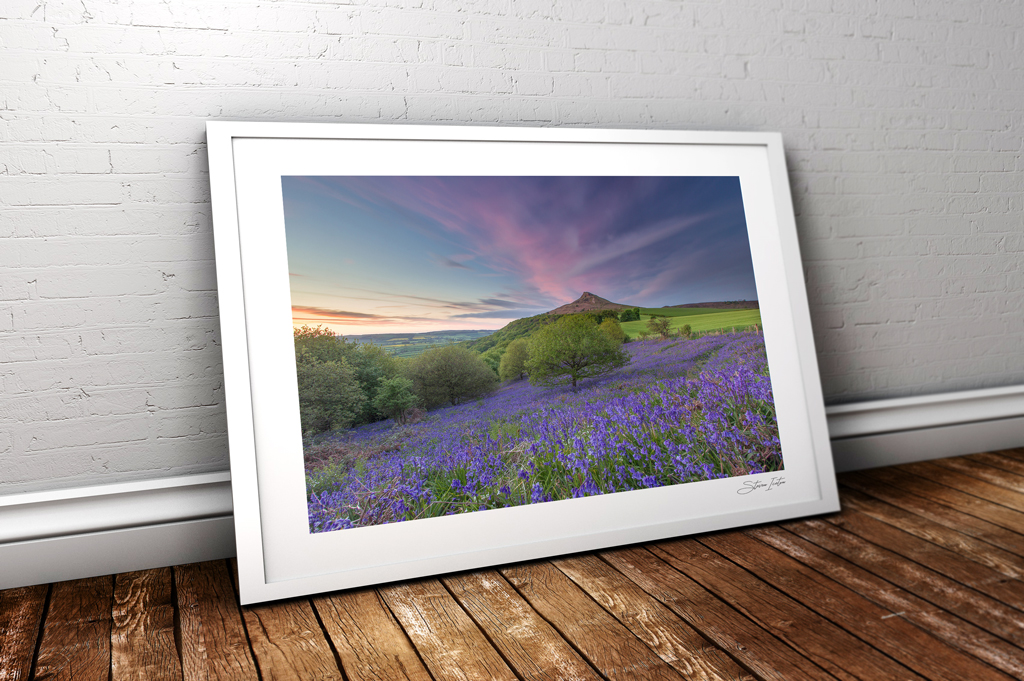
point(415, 254)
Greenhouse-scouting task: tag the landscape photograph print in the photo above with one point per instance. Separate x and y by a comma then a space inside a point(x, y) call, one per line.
point(468, 343)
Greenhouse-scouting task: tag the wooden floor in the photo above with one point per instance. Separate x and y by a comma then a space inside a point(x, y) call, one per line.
point(918, 577)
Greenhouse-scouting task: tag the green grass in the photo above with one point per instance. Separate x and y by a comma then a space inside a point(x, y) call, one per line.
point(681, 311)
point(519, 328)
point(699, 323)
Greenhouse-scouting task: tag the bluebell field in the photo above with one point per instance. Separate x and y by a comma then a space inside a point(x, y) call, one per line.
point(680, 411)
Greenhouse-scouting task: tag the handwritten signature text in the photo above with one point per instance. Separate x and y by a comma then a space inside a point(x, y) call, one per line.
point(766, 485)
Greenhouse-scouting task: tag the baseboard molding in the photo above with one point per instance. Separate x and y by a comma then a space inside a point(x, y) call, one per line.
point(76, 556)
point(889, 449)
point(905, 430)
point(89, 531)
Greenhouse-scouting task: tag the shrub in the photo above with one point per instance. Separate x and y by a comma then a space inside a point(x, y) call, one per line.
point(450, 374)
point(660, 325)
point(395, 398)
point(571, 349)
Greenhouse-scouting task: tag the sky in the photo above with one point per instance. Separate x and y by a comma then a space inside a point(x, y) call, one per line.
point(374, 254)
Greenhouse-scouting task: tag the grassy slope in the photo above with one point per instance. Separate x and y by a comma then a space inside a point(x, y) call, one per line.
point(699, 319)
point(519, 328)
point(702, 321)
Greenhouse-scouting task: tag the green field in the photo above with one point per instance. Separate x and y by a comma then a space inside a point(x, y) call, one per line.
point(700, 319)
point(683, 311)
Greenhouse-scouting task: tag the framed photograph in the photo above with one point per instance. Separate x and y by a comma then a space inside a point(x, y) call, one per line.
point(455, 347)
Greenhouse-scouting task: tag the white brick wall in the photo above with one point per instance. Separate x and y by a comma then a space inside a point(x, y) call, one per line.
point(902, 121)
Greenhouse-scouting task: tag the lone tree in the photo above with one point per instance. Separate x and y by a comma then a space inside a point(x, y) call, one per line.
point(450, 374)
point(571, 349)
point(395, 398)
point(660, 325)
point(513, 362)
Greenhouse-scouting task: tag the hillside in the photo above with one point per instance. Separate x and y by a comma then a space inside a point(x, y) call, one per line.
point(588, 302)
point(519, 328)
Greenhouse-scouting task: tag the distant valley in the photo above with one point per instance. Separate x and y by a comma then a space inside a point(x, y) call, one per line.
point(412, 344)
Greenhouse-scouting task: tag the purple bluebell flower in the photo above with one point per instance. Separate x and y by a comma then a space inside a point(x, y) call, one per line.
point(679, 412)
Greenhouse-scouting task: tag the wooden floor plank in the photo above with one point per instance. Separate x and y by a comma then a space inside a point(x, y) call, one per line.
point(757, 649)
point(288, 643)
point(676, 642)
point(984, 612)
point(962, 570)
point(959, 500)
point(965, 483)
point(1004, 562)
point(1000, 477)
point(1008, 460)
point(873, 624)
point(142, 645)
point(600, 638)
point(920, 575)
point(528, 643)
point(802, 628)
point(213, 641)
point(369, 641)
point(450, 643)
point(940, 513)
point(76, 634)
point(933, 619)
point(21, 614)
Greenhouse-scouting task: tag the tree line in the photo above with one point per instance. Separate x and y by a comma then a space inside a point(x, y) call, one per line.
point(343, 384)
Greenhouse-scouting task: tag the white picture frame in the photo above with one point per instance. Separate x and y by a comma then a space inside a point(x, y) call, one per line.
point(277, 555)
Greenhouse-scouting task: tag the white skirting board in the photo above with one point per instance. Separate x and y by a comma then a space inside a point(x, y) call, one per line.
point(904, 430)
point(89, 531)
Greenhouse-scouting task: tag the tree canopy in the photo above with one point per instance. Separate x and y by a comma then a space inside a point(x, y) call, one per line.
point(450, 374)
point(329, 395)
point(395, 398)
point(613, 329)
point(513, 362)
point(365, 364)
point(572, 349)
point(630, 314)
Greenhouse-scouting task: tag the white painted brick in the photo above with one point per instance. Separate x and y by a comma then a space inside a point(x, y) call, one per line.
point(72, 191)
point(87, 282)
point(27, 348)
point(417, 24)
point(901, 121)
point(521, 33)
point(25, 161)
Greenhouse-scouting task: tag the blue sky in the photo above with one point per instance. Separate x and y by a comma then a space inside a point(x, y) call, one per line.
point(414, 254)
